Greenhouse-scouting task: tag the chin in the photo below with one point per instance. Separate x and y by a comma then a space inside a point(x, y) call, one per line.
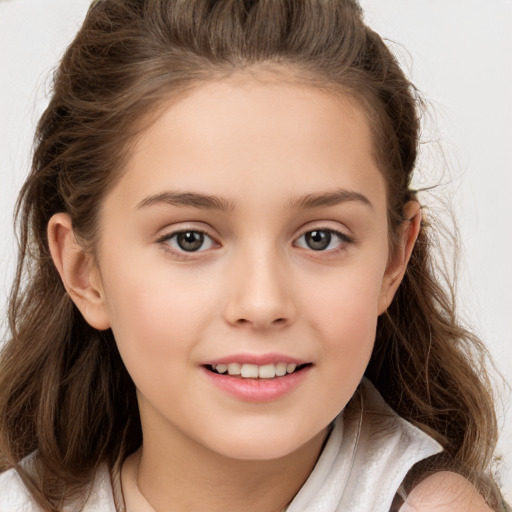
point(262, 445)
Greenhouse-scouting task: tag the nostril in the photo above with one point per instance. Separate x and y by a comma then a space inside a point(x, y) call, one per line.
point(260, 324)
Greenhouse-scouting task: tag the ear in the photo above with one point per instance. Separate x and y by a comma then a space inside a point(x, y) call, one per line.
point(78, 271)
point(397, 264)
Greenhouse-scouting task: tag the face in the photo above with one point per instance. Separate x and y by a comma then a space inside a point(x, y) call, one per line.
point(243, 261)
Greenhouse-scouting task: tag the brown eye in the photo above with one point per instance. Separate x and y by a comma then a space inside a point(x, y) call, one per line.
point(327, 240)
point(187, 241)
point(190, 241)
point(318, 240)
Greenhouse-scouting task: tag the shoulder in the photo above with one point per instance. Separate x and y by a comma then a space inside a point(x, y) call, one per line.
point(14, 496)
point(445, 492)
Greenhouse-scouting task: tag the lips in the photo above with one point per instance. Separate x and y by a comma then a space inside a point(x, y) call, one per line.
point(257, 378)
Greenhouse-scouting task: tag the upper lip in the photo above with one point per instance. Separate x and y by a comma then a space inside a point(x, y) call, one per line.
point(257, 359)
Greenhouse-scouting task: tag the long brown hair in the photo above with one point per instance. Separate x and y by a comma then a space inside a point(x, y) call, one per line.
point(64, 390)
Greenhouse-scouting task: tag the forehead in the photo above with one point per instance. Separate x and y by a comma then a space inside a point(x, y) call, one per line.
point(247, 134)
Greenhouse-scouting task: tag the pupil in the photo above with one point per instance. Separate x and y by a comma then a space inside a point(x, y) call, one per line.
point(318, 240)
point(190, 240)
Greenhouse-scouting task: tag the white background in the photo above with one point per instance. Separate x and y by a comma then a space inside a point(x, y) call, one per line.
point(458, 53)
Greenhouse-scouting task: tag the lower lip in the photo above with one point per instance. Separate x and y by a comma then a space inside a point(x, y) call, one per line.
point(258, 390)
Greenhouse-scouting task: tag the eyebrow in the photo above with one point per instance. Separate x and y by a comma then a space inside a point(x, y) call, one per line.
point(192, 199)
point(209, 202)
point(323, 199)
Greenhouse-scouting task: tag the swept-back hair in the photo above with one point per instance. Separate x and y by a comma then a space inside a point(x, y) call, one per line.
point(64, 391)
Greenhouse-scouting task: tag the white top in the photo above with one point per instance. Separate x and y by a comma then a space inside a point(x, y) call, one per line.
point(365, 460)
point(368, 454)
point(15, 498)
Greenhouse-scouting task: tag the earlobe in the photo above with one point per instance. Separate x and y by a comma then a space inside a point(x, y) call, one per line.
point(78, 271)
point(397, 264)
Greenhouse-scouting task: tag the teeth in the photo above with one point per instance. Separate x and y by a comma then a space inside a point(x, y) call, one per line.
point(249, 371)
point(267, 371)
point(234, 368)
point(253, 371)
point(222, 368)
point(281, 369)
point(290, 367)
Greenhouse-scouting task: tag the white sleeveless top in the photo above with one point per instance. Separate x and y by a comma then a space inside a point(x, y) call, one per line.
point(367, 455)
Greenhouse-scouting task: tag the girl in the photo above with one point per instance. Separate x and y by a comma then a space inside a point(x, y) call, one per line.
point(225, 298)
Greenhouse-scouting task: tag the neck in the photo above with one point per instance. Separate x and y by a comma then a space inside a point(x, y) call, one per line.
point(187, 476)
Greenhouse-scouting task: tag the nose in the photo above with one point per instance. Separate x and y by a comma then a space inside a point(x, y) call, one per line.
point(260, 292)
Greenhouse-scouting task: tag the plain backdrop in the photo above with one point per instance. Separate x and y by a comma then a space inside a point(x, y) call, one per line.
point(459, 55)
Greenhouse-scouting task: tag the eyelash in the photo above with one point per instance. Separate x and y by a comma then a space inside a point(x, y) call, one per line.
point(343, 240)
point(165, 241)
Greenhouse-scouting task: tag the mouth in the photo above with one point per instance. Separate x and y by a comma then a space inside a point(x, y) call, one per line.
point(254, 371)
point(257, 378)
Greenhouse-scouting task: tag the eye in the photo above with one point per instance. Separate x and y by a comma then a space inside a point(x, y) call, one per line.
point(322, 240)
point(189, 241)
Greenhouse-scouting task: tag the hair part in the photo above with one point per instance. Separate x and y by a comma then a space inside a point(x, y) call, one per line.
point(64, 390)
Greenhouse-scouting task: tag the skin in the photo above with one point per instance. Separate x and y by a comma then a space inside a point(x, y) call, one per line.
point(445, 492)
point(261, 148)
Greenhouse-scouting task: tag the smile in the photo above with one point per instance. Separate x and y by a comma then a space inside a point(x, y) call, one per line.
point(254, 371)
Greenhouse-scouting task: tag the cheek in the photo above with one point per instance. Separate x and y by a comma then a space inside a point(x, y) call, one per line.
point(152, 313)
point(351, 300)
point(154, 329)
point(344, 315)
